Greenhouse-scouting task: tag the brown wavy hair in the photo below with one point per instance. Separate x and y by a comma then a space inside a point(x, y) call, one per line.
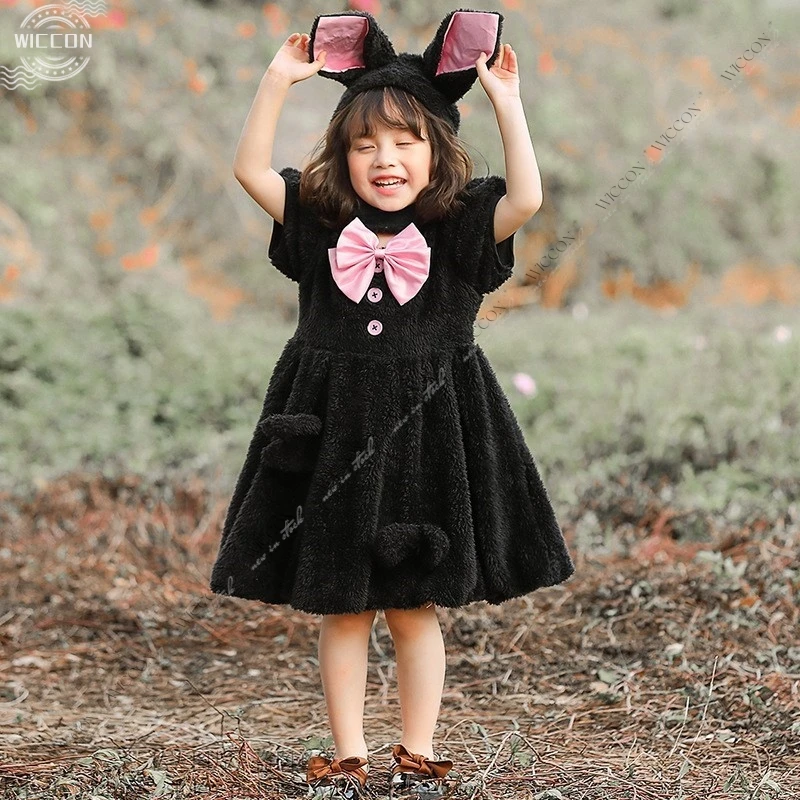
point(325, 183)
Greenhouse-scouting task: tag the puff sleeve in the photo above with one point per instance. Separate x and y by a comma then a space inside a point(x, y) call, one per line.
point(288, 246)
point(481, 262)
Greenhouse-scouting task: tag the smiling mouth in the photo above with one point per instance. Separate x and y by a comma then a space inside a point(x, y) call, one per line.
point(385, 184)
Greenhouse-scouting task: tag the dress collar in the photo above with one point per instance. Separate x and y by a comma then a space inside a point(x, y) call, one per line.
point(380, 221)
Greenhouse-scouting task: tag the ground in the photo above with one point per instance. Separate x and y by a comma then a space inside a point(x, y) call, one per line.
point(663, 669)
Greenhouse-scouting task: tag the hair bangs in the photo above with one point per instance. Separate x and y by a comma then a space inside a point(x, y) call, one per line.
point(382, 107)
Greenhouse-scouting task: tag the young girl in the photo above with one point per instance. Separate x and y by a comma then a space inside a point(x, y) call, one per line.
point(387, 469)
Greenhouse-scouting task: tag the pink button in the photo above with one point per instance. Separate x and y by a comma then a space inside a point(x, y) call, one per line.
point(375, 294)
point(375, 327)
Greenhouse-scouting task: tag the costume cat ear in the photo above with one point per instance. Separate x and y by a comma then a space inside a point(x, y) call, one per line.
point(449, 60)
point(354, 43)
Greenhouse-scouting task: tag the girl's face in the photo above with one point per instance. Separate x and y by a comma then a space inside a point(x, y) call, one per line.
point(391, 154)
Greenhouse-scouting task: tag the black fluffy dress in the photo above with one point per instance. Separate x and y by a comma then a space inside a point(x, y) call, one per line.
point(389, 470)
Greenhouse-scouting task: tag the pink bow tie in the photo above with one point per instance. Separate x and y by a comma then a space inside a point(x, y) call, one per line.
point(406, 261)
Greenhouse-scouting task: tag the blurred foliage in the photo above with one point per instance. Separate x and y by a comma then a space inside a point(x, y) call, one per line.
point(146, 134)
point(702, 408)
point(124, 233)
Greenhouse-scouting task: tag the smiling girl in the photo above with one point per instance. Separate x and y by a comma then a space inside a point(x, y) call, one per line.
point(385, 436)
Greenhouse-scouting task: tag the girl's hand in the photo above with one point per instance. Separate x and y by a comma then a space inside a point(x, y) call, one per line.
point(502, 80)
point(291, 61)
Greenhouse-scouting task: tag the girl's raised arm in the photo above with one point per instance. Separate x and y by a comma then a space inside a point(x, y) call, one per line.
point(252, 162)
point(523, 196)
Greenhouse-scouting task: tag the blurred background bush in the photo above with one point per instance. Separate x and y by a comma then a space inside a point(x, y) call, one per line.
point(140, 317)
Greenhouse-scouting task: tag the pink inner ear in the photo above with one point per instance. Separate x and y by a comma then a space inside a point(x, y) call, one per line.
point(469, 34)
point(343, 38)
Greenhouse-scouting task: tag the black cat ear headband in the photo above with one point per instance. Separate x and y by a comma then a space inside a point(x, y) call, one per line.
point(360, 56)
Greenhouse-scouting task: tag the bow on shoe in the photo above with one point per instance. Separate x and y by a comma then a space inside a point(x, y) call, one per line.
point(322, 767)
point(406, 761)
point(406, 261)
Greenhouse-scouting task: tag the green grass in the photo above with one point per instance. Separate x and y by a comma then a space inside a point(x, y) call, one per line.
point(150, 385)
point(707, 397)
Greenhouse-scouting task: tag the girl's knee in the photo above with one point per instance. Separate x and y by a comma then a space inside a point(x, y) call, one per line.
point(364, 619)
point(408, 620)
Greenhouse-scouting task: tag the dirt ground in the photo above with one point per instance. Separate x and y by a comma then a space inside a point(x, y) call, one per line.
point(664, 669)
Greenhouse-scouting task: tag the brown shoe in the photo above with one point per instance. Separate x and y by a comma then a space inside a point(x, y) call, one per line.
point(415, 777)
point(339, 778)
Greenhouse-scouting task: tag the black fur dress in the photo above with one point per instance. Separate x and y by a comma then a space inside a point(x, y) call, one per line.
point(388, 470)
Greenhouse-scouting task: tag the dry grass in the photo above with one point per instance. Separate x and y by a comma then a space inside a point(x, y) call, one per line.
point(652, 673)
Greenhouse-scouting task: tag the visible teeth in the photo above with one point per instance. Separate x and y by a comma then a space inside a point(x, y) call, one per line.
point(388, 183)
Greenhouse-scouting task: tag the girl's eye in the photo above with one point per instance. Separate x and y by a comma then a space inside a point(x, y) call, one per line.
point(367, 146)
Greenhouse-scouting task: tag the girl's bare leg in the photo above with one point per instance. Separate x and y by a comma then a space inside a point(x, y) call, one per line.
point(343, 658)
point(420, 653)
